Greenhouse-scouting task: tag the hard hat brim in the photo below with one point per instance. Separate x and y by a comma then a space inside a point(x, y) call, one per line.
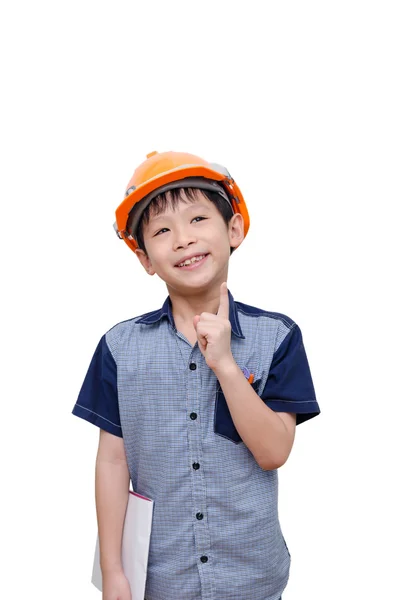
point(188, 182)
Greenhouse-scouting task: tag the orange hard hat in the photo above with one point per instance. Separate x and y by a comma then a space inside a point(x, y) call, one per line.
point(167, 170)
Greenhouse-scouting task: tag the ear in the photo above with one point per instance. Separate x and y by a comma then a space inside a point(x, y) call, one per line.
point(236, 230)
point(145, 261)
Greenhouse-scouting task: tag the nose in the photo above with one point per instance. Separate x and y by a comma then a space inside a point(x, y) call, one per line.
point(183, 238)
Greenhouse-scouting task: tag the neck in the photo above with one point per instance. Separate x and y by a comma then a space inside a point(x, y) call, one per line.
point(185, 307)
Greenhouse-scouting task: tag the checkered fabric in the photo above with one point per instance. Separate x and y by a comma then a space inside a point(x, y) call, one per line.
point(216, 533)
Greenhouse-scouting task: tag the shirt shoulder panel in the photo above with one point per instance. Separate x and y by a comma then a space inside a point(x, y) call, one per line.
point(253, 311)
point(279, 322)
point(117, 334)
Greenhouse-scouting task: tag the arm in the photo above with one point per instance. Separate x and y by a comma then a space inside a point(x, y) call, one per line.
point(269, 435)
point(111, 495)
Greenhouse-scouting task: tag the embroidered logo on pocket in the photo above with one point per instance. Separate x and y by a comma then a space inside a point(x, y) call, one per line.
point(248, 375)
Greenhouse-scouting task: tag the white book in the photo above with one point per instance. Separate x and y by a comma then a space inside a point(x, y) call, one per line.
point(135, 545)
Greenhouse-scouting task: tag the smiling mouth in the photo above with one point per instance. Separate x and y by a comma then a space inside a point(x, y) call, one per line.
point(192, 261)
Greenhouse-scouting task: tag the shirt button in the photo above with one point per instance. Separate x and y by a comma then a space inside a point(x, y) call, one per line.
point(204, 559)
point(193, 416)
point(192, 366)
point(196, 466)
point(199, 516)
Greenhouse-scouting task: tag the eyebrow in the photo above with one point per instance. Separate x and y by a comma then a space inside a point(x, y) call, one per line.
point(199, 207)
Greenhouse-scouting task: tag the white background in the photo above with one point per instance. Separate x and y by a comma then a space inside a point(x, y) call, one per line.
point(298, 100)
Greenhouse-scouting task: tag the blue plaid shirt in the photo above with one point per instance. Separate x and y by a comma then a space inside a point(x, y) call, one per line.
point(215, 532)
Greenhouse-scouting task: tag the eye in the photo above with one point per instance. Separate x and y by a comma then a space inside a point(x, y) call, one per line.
point(198, 219)
point(160, 231)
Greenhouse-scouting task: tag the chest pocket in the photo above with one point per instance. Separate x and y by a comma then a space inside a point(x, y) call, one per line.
point(223, 422)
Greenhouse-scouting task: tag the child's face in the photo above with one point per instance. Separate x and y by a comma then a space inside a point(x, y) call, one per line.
point(192, 229)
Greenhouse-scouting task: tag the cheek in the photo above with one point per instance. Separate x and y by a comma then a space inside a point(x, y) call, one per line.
point(157, 254)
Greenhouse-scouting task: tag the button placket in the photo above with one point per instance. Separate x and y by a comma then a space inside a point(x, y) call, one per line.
point(200, 523)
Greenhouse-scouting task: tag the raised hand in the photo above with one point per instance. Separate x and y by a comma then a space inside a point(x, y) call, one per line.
point(214, 332)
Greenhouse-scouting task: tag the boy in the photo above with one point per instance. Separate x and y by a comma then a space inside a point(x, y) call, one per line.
point(196, 402)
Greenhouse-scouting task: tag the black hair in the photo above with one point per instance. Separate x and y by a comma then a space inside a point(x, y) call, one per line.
point(172, 198)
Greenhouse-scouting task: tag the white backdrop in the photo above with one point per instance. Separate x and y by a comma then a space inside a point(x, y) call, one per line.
point(298, 100)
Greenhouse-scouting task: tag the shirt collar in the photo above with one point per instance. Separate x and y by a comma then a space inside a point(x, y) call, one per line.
point(166, 311)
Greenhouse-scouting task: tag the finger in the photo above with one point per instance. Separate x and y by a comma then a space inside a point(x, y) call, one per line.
point(205, 317)
point(223, 310)
point(202, 340)
point(200, 331)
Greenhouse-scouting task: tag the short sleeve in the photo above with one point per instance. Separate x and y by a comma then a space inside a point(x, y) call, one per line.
point(98, 398)
point(289, 386)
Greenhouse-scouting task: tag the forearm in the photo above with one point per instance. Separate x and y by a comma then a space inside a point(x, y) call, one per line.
point(260, 428)
point(111, 497)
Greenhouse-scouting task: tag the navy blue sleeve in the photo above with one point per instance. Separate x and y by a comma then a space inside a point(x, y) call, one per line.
point(98, 398)
point(289, 386)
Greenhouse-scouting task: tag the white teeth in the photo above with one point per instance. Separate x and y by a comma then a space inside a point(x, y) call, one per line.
point(191, 260)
